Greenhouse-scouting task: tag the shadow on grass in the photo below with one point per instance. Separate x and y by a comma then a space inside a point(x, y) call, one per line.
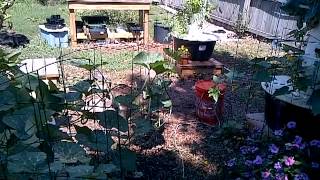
point(13, 40)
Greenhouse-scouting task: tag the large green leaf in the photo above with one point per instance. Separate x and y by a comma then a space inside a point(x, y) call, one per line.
point(29, 81)
point(4, 82)
point(30, 162)
point(82, 86)
point(70, 96)
point(111, 119)
point(68, 152)
point(41, 115)
point(142, 127)
point(51, 133)
point(79, 171)
point(17, 120)
point(146, 58)
point(7, 100)
point(160, 67)
point(127, 160)
point(125, 100)
point(95, 140)
point(52, 87)
point(22, 96)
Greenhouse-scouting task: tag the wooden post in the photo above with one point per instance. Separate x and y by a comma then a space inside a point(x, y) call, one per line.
point(146, 26)
point(73, 30)
point(245, 12)
point(141, 17)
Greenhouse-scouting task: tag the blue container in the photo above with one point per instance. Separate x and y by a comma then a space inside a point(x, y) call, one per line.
point(55, 37)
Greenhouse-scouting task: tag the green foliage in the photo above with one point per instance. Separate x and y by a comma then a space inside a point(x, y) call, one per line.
point(95, 140)
point(4, 6)
point(214, 93)
point(28, 162)
point(194, 11)
point(154, 89)
point(307, 11)
point(29, 141)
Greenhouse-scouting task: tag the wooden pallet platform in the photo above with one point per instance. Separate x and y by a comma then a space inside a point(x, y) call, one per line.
point(198, 68)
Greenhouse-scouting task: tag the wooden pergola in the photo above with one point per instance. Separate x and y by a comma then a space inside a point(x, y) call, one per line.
point(143, 6)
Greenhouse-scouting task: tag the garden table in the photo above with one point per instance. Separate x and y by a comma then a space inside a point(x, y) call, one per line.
point(143, 6)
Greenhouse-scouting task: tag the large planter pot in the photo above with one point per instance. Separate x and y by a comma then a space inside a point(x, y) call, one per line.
point(279, 110)
point(162, 34)
point(208, 111)
point(199, 50)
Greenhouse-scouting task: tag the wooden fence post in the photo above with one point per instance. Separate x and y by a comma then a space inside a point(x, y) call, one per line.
point(245, 11)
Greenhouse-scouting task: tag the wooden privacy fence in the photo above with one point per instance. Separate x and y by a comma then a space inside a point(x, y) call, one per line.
point(262, 17)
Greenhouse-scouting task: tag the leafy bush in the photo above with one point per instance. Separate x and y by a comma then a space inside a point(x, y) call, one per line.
point(4, 6)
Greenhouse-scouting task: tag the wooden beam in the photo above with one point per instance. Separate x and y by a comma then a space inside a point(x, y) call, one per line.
point(145, 27)
point(73, 29)
point(109, 6)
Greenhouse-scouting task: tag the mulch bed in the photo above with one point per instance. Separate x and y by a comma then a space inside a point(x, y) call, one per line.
point(185, 147)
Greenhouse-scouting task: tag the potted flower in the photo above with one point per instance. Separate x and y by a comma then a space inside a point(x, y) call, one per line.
point(184, 55)
point(187, 29)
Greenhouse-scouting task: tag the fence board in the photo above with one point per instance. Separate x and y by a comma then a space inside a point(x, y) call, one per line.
point(264, 17)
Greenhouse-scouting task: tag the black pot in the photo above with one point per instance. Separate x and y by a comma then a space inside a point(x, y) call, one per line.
point(278, 113)
point(199, 50)
point(162, 34)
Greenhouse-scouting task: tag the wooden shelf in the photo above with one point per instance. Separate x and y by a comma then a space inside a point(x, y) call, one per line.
point(126, 35)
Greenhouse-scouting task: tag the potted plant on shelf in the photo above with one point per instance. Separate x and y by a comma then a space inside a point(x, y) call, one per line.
point(187, 29)
point(184, 55)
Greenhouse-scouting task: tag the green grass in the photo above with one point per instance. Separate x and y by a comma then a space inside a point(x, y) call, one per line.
point(27, 15)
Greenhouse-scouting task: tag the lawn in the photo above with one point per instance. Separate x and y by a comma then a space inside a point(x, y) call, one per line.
point(27, 15)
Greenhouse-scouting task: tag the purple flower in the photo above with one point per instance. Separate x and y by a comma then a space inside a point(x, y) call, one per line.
point(297, 140)
point(273, 148)
point(278, 132)
point(248, 149)
point(291, 125)
point(277, 165)
point(289, 161)
point(315, 165)
point(315, 142)
point(248, 162)
point(231, 162)
point(281, 176)
point(258, 160)
point(265, 174)
point(301, 176)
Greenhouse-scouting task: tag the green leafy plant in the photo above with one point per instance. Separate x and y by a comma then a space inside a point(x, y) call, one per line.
point(155, 89)
point(193, 11)
point(32, 145)
point(307, 13)
point(4, 6)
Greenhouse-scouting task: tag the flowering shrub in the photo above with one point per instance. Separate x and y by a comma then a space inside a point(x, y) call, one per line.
point(282, 156)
